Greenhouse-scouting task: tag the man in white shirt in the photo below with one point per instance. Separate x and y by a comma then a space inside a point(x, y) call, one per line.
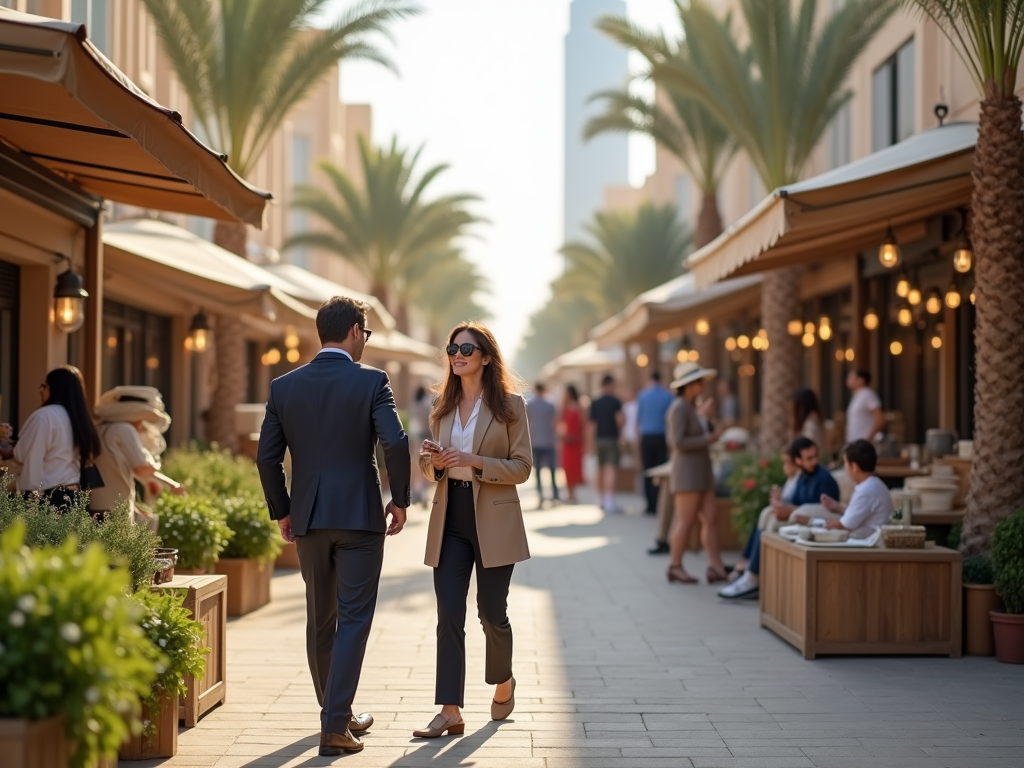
point(864, 417)
point(870, 506)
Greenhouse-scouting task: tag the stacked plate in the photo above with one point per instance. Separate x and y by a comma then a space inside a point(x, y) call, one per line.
point(935, 492)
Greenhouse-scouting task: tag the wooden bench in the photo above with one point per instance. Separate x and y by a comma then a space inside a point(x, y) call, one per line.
point(206, 599)
point(838, 601)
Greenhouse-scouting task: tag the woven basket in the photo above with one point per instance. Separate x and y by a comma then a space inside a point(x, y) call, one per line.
point(903, 536)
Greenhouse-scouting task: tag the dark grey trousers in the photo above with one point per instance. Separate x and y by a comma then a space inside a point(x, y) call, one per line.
point(460, 551)
point(342, 571)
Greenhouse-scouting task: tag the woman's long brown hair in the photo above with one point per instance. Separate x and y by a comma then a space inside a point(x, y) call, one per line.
point(500, 383)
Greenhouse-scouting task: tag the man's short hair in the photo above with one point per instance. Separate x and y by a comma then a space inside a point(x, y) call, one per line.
point(864, 375)
point(863, 454)
point(655, 375)
point(798, 446)
point(539, 386)
point(608, 379)
point(336, 316)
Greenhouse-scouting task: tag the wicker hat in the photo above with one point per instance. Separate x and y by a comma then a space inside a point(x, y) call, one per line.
point(132, 404)
point(689, 372)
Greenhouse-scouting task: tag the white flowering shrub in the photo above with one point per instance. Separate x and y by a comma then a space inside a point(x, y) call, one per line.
point(71, 643)
point(194, 526)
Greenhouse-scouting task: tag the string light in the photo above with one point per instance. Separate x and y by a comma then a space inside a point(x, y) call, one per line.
point(953, 298)
point(809, 328)
point(896, 348)
point(293, 356)
point(936, 342)
point(681, 356)
point(963, 257)
point(849, 355)
point(273, 356)
point(641, 360)
point(934, 302)
point(889, 251)
point(903, 286)
point(730, 344)
point(825, 328)
point(703, 327)
point(808, 340)
point(914, 296)
point(871, 320)
point(693, 355)
point(743, 342)
point(795, 327)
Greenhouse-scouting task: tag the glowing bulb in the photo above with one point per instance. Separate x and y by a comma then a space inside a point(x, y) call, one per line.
point(293, 356)
point(693, 355)
point(896, 348)
point(681, 356)
point(762, 334)
point(200, 340)
point(703, 327)
point(808, 340)
point(934, 302)
point(839, 355)
point(743, 342)
point(291, 338)
point(756, 342)
point(972, 297)
point(936, 342)
point(953, 297)
point(889, 252)
point(825, 329)
point(152, 363)
point(962, 258)
point(273, 356)
point(903, 286)
point(914, 297)
point(642, 360)
point(730, 344)
point(905, 317)
point(808, 327)
point(849, 355)
point(795, 327)
point(871, 320)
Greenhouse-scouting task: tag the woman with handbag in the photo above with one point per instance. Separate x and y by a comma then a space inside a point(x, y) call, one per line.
point(58, 442)
point(480, 451)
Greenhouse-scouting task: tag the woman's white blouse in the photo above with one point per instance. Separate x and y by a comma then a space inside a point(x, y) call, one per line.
point(46, 451)
point(462, 440)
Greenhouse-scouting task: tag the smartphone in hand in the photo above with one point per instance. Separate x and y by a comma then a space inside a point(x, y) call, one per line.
point(432, 447)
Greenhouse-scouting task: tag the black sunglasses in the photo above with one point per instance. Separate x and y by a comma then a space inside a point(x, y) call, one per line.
point(465, 349)
point(368, 333)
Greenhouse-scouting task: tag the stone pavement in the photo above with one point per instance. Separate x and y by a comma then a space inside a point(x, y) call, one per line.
point(615, 668)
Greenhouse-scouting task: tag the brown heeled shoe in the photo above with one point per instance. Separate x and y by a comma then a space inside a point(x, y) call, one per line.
point(676, 574)
point(500, 710)
point(439, 725)
point(714, 576)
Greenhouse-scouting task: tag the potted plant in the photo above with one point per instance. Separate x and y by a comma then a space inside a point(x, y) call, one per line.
point(195, 527)
point(247, 560)
point(1008, 568)
point(980, 599)
point(750, 484)
point(179, 640)
point(73, 660)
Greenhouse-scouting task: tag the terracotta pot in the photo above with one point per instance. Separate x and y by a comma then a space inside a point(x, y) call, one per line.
point(248, 584)
point(163, 743)
point(979, 601)
point(34, 743)
point(289, 557)
point(1008, 629)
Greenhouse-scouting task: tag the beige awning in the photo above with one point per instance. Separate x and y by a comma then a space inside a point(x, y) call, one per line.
point(586, 358)
point(847, 209)
point(67, 107)
point(146, 255)
point(315, 290)
point(675, 305)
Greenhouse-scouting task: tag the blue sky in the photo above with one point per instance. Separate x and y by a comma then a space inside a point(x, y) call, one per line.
point(481, 85)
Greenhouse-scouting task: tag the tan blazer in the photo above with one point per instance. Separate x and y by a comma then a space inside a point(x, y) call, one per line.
point(688, 445)
point(508, 460)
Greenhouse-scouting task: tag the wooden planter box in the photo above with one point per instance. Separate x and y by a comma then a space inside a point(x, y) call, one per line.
point(206, 600)
point(34, 743)
point(248, 584)
point(728, 541)
point(289, 557)
point(861, 601)
point(979, 600)
point(163, 743)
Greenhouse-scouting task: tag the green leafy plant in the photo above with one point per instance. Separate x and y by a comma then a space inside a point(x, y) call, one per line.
point(978, 569)
point(70, 642)
point(750, 486)
point(253, 533)
point(127, 544)
point(195, 527)
point(955, 533)
point(179, 641)
point(1008, 561)
point(212, 472)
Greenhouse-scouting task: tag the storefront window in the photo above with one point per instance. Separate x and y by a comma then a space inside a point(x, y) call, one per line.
point(95, 14)
point(136, 348)
point(892, 99)
point(10, 283)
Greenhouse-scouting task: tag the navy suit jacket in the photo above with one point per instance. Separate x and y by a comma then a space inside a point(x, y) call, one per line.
point(330, 414)
point(810, 487)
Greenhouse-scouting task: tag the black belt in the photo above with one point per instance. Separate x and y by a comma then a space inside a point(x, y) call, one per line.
point(459, 483)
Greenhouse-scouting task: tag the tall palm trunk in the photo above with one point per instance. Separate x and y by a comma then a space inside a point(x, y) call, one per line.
point(231, 364)
point(997, 482)
point(780, 303)
point(709, 220)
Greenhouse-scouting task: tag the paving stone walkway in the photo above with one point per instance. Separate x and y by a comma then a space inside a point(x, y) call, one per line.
point(616, 668)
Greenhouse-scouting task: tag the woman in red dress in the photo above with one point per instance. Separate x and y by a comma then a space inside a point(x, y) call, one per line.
point(571, 429)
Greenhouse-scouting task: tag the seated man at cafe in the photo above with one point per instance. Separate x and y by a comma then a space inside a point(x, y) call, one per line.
point(812, 484)
point(870, 506)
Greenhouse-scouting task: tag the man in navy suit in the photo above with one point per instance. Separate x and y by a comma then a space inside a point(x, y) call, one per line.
point(330, 414)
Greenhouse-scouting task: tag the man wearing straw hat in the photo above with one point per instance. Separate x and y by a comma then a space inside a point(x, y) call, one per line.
point(132, 422)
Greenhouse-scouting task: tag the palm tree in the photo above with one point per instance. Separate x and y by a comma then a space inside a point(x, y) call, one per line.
point(445, 290)
point(244, 65)
point(631, 252)
point(386, 227)
point(989, 36)
point(777, 95)
point(678, 123)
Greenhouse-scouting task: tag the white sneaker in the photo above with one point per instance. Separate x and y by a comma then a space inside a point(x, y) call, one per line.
point(741, 589)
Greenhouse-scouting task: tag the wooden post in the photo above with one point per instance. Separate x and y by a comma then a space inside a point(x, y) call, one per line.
point(860, 337)
point(92, 332)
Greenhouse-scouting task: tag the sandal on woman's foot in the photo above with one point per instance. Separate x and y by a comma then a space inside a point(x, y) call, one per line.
point(714, 576)
point(678, 575)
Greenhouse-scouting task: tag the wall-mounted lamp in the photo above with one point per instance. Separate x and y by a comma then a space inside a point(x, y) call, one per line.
point(69, 297)
point(200, 332)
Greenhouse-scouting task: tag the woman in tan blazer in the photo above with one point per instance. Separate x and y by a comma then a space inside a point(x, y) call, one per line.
point(692, 482)
point(480, 451)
